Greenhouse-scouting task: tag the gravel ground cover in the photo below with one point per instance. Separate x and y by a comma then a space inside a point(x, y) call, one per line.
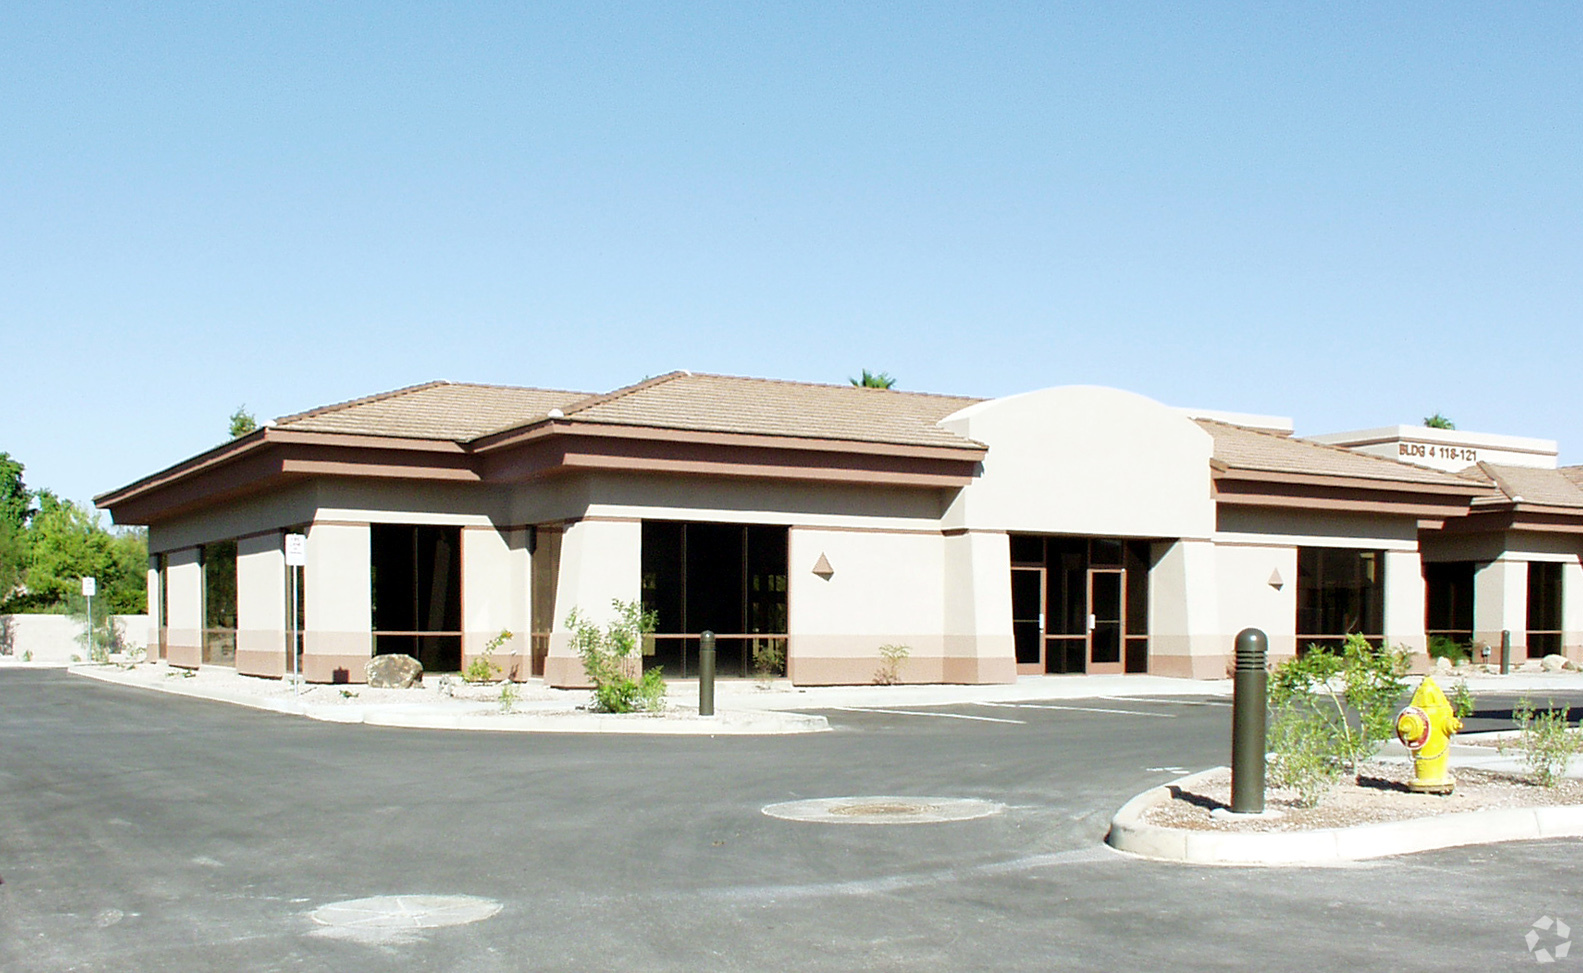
point(1378, 794)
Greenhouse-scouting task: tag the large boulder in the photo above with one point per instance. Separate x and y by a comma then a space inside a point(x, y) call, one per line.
point(1555, 663)
point(393, 672)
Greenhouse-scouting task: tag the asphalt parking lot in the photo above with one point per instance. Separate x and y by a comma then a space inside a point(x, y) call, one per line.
point(146, 832)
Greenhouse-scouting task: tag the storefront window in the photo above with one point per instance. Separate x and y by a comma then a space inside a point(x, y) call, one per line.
point(729, 579)
point(1544, 608)
point(1340, 592)
point(416, 575)
point(219, 603)
point(1448, 601)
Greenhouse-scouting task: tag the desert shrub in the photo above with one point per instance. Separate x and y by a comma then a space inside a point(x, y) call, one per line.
point(1304, 749)
point(1332, 711)
point(508, 696)
point(769, 661)
point(483, 668)
point(611, 659)
point(1546, 742)
point(1461, 699)
point(891, 659)
point(1441, 647)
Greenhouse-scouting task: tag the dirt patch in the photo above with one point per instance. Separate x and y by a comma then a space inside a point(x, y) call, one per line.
point(1378, 794)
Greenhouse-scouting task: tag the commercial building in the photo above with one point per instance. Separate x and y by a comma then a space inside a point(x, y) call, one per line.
point(1073, 529)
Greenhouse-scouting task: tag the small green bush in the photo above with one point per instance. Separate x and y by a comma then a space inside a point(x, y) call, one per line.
point(483, 668)
point(1305, 753)
point(1461, 699)
point(508, 696)
point(1441, 647)
point(769, 661)
point(1547, 743)
point(611, 658)
point(891, 659)
point(1332, 711)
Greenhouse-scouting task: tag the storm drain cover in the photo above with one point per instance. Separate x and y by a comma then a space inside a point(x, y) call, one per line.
point(884, 810)
point(399, 915)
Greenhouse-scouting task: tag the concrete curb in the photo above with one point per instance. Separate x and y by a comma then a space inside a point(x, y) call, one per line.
point(487, 717)
point(1330, 846)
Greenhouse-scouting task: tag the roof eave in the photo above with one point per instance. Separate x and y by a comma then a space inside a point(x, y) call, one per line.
point(494, 442)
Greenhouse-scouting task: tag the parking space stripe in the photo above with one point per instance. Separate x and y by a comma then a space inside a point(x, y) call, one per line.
point(1171, 700)
point(1084, 709)
point(943, 716)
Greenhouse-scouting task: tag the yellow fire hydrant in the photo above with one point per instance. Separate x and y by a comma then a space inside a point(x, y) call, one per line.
point(1425, 727)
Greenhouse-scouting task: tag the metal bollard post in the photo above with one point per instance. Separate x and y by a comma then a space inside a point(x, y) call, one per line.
point(706, 674)
point(1249, 699)
point(1506, 651)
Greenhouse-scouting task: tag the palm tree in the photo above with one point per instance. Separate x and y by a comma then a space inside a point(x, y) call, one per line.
point(1436, 421)
point(874, 380)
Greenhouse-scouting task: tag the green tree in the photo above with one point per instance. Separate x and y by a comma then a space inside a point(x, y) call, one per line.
point(65, 544)
point(15, 500)
point(874, 380)
point(16, 505)
point(13, 558)
point(242, 422)
point(1438, 421)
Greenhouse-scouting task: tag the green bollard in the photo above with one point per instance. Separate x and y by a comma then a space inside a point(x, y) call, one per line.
point(1506, 651)
point(1249, 705)
point(706, 674)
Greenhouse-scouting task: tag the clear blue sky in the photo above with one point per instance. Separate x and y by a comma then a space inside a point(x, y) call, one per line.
point(1352, 214)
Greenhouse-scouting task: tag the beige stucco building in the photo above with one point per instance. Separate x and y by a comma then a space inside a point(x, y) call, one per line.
point(1070, 529)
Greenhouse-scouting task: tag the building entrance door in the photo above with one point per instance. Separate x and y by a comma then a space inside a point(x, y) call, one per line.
point(1080, 604)
point(1107, 619)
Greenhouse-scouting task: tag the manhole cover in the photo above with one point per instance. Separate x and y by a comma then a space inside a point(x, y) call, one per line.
point(400, 914)
point(885, 810)
point(878, 808)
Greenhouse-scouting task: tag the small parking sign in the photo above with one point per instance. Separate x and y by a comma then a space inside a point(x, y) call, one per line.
point(90, 587)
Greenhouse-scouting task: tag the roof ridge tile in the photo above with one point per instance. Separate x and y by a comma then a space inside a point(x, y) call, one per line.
point(1390, 466)
point(600, 398)
point(834, 385)
point(364, 400)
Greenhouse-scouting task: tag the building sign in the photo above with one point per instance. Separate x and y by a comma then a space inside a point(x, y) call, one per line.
point(1415, 452)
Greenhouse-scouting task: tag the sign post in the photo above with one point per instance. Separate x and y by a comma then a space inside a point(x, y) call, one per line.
point(90, 587)
point(296, 557)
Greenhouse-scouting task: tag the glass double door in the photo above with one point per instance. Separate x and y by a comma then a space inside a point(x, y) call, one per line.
point(1080, 604)
point(1056, 632)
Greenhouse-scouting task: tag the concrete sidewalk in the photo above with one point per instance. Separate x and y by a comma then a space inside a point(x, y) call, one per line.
point(782, 695)
point(741, 705)
point(539, 710)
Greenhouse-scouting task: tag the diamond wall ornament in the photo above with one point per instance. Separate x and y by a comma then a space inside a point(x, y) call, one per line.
point(1276, 581)
point(823, 569)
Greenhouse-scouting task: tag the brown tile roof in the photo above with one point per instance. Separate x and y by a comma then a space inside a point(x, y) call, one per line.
point(1242, 448)
point(1546, 488)
point(436, 410)
point(679, 400)
point(721, 403)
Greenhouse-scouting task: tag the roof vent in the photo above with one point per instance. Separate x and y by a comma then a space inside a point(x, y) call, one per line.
point(557, 414)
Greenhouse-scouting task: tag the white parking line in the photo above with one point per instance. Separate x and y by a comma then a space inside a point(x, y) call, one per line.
point(1167, 699)
point(943, 716)
point(1084, 709)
